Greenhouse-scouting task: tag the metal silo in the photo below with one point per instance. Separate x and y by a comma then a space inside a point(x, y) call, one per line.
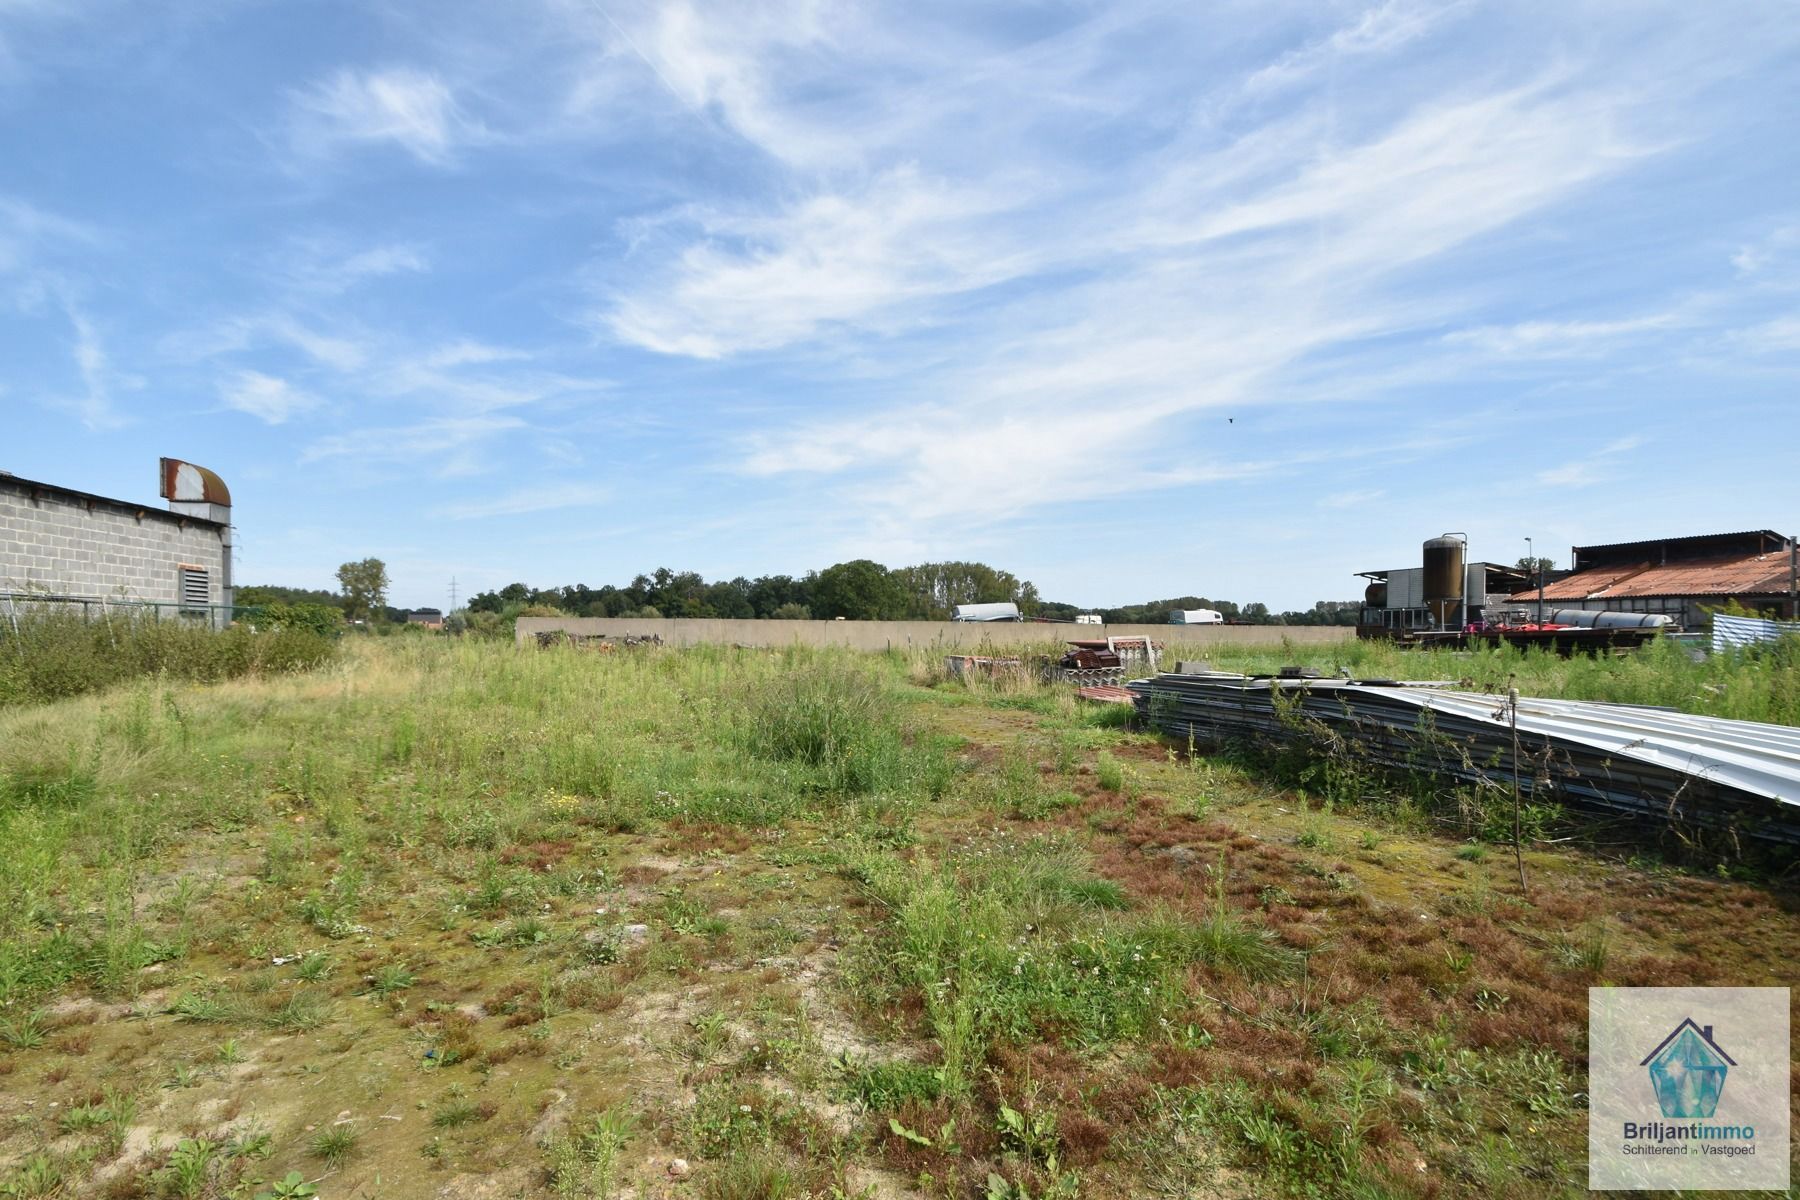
point(1444, 579)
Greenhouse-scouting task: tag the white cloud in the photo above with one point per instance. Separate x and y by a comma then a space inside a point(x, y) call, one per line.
point(412, 109)
point(1142, 342)
point(339, 352)
point(93, 405)
point(530, 500)
point(1380, 29)
point(1598, 467)
point(1779, 336)
point(1758, 257)
point(1549, 339)
point(468, 352)
point(730, 60)
point(320, 266)
point(264, 396)
point(755, 283)
point(454, 441)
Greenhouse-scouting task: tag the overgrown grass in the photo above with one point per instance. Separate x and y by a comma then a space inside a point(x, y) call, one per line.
point(494, 892)
point(52, 655)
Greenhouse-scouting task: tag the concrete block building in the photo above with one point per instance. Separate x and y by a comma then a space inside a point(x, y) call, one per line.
point(63, 545)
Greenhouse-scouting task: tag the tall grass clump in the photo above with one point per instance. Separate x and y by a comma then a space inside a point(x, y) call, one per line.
point(52, 655)
point(835, 718)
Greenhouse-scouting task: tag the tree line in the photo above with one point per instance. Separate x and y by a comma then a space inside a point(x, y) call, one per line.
point(862, 590)
point(859, 590)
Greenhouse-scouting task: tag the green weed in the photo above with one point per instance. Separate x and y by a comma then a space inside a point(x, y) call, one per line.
point(334, 1144)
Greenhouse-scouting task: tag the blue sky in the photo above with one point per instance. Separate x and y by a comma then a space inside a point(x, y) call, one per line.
point(1132, 299)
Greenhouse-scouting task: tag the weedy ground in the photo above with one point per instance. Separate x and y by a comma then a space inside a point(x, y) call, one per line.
point(460, 920)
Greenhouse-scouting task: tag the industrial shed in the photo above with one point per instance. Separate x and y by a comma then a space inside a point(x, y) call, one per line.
point(63, 546)
point(1681, 578)
point(1395, 601)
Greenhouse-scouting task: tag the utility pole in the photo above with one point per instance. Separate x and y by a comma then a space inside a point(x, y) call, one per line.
point(1793, 578)
point(1537, 566)
point(453, 593)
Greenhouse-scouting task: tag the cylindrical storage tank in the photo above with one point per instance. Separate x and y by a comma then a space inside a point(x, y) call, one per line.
point(1588, 618)
point(1375, 595)
point(1003, 610)
point(1444, 578)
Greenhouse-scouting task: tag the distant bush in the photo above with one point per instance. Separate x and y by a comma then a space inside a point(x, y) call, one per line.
point(49, 656)
point(321, 619)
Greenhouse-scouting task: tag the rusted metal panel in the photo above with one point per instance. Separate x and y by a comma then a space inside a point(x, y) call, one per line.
point(1737, 575)
point(1104, 694)
point(191, 484)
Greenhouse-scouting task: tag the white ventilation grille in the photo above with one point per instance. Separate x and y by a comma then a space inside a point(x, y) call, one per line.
point(195, 592)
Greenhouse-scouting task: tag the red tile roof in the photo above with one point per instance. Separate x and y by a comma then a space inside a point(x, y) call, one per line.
point(1730, 575)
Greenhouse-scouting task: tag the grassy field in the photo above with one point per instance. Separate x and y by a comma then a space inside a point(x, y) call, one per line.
point(453, 919)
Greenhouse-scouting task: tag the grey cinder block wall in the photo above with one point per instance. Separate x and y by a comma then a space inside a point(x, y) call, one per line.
point(61, 542)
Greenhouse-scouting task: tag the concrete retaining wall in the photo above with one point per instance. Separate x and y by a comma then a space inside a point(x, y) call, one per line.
point(901, 635)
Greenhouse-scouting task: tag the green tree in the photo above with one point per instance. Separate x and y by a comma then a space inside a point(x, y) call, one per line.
point(365, 586)
point(859, 590)
point(934, 590)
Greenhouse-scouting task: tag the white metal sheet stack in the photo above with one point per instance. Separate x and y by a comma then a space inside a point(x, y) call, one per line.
point(1666, 765)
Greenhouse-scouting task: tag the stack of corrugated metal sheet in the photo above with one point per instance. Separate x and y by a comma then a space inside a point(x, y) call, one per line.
point(1703, 771)
point(1733, 633)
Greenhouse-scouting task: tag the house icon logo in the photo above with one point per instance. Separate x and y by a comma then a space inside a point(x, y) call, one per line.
point(1687, 1071)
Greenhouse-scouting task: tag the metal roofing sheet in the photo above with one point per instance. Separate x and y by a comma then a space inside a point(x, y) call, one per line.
point(1686, 539)
point(1763, 760)
point(1622, 756)
point(1733, 575)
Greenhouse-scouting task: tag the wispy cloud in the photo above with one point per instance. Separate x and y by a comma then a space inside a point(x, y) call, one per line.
point(93, 403)
point(1780, 247)
point(726, 61)
point(266, 397)
point(337, 351)
point(1550, 339)
point(1780, 336)
point(323, 266)
point(530, 500)
point(1133, 348)
point(758, 282)
point(1598, 467)
point(450, 444)
point(25, 228)
point(402, 106)
point(1379, 29)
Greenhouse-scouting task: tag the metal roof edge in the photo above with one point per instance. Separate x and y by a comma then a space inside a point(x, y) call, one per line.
point(20, 483)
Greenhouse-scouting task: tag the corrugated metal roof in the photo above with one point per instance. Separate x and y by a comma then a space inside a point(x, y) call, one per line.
point(1730, 575)
point(1686, 539)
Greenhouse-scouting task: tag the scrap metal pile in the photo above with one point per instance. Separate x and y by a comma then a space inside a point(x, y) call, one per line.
point(1656, 762)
